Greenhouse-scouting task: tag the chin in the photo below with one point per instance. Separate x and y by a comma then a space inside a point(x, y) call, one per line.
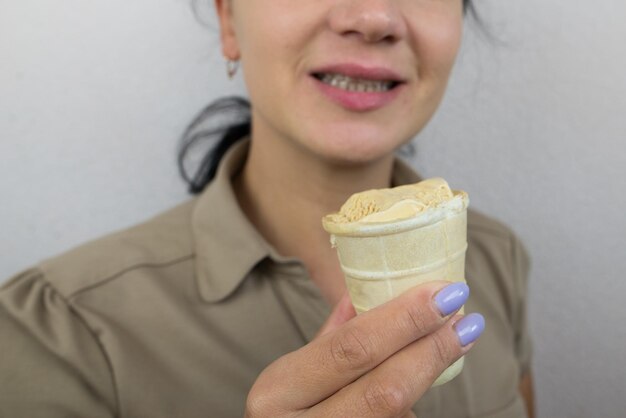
point(351, 149)
point(357, 143)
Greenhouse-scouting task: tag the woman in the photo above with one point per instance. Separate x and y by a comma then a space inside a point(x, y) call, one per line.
point(234, 303)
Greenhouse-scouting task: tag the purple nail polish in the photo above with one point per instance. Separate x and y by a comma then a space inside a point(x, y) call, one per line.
point(469, 328)
point(451, 297)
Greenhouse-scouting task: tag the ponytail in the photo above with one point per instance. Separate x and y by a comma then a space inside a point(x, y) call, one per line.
point(228, 120)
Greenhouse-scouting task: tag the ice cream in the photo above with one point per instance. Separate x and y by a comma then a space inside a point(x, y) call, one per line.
point(384, 205)
point(389, 240)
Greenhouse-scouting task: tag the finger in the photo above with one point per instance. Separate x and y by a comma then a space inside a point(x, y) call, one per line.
point(342, 313)
point(409, 414)
point(391, 389)
point(339, 357)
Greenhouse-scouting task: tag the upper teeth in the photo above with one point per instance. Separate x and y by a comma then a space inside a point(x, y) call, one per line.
point(356, 84)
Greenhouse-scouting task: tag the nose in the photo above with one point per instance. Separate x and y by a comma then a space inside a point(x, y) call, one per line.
point(371, 20)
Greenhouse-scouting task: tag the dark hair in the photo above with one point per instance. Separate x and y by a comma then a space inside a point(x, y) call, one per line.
point(226, 120)
point(221, 124)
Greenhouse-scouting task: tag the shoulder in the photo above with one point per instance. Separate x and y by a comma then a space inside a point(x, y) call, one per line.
point(490, 235)
point(497, 264)
point(162, 240)
point(49, 342)
point(488, 227)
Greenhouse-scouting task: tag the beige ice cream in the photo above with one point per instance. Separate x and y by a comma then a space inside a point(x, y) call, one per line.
point(389, 240)
point(384, 205)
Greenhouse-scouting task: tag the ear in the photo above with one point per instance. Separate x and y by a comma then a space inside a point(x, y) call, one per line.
point(230, 48)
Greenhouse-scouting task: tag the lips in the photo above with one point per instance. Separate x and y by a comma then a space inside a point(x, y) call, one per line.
point(357, 87)
point(363, 72)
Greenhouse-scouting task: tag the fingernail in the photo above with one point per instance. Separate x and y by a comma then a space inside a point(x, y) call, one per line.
point(469, 328)
point(451, 298)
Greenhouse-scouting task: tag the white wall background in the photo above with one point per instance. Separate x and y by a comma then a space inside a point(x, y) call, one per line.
point(93, 96)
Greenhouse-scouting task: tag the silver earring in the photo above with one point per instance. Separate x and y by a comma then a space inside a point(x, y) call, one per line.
point(231, 68)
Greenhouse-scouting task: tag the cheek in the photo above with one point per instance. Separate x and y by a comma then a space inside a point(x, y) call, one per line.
point(263, 49)
point(270, 50)
point(273, 33)
point(438, 40)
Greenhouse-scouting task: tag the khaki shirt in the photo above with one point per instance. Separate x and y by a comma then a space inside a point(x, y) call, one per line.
point(177, 316)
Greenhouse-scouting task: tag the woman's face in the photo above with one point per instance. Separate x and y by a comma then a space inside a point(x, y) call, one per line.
point(348, 80)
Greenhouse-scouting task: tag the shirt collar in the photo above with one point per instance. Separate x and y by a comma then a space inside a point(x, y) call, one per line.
point(227, 245)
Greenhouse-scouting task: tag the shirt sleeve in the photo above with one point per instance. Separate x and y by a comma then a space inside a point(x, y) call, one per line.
point(51, 363)
point(521, 269)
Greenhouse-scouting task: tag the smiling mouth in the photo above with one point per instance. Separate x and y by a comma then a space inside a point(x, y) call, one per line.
point(353, 84)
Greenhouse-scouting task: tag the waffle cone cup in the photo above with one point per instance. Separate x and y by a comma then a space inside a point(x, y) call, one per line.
point(382, 260)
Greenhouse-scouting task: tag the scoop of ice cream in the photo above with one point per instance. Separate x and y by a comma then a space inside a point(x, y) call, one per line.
point(385, 205)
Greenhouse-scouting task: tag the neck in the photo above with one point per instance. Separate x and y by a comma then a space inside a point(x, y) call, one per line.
point(285, 190)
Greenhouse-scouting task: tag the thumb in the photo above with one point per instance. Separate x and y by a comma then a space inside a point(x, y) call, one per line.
point(342, 313)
